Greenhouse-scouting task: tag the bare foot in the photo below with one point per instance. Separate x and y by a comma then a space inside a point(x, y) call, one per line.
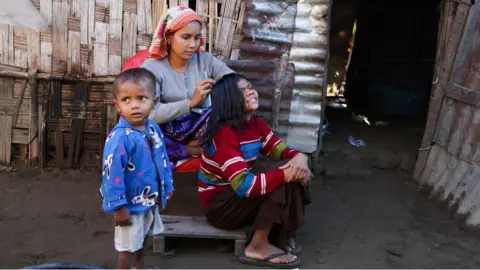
point(261, 251)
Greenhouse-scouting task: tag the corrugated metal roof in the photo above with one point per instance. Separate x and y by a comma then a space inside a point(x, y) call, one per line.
point(298, 29)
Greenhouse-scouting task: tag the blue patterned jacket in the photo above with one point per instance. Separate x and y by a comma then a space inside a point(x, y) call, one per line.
point(133, 162)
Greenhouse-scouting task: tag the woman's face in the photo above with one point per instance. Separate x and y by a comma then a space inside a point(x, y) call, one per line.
point(249, 94)
point(185, 41)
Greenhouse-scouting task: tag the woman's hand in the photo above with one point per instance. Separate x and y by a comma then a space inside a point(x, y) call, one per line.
point(296, 169)
point(202, 89)
point(122, 217)
point(194, 148)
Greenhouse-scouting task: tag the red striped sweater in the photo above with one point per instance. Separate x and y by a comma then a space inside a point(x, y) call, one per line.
point(227, 160)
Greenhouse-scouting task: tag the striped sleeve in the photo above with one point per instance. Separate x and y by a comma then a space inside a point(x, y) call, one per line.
point(227, 158)
point(272, 146)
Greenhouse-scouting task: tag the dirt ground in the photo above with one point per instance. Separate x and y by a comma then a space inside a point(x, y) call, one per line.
point(366, 214)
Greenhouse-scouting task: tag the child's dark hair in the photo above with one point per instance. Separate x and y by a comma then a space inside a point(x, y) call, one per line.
point(139, 76)
point(228, 105)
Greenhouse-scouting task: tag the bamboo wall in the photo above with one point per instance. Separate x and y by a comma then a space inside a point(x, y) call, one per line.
point(86, 38)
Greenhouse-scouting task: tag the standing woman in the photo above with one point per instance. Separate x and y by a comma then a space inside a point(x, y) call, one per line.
point(185, 77)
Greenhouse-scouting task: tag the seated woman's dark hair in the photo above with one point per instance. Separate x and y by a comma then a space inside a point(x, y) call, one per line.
point(228, 105)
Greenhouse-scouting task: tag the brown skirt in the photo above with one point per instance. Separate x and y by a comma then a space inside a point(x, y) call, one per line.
point(283, 209)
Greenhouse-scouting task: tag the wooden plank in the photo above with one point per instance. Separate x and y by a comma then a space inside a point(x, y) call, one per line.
point(460, 125)
point(6, 88)
point(445, 122)
point(144, 17)
point(87, 21)
point(468, 191)
point(196, 227)
point(277, 92)
point(7, 52)
point(46, 50)
point(20, 46)
point(129, 38)
point(20, 136)
point(130, 6)
point(438, 167)
point(463, 94)
point(18, 101)
point(466, 70)
point(42, 130)
point(235, 53)
point(33, 129)
point(457, 179)
point(212, 14)
point(472, 137)
point(74, 62)
point(158, 8)
point(60, 36)
point(115, 37)
point(59, 148)
point(5, 139)
point(33, 49)
point(46, 9)
point(432, 159)
point(100, 49)
point(445, 175)
point(76, 8)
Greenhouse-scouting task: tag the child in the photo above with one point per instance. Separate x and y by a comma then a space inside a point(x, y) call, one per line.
point(136, 171)
point(271, 203)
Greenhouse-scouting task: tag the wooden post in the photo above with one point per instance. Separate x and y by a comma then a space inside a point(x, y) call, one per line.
point(33, 129)
point(42, 117)
point(317, 155)
point(277, 92)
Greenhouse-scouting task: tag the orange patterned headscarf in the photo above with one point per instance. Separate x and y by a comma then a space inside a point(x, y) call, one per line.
point(171, 21)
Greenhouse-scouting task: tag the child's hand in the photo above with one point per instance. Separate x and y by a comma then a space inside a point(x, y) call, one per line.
point(169, 195)
point(122, 217)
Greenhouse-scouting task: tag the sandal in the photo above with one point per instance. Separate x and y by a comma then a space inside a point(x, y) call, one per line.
point(266, 261)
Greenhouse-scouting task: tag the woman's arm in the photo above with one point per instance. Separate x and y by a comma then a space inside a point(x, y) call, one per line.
point(165, 112)
point(225, 158)
point(272, 146)
point(276, 149)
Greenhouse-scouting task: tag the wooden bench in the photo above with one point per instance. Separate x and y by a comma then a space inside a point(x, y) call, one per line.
point(196, 227)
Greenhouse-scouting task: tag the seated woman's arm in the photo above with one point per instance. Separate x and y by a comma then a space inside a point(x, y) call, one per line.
point(272, 146)
point(165, 112)
point(276, 149)
point(225, 161)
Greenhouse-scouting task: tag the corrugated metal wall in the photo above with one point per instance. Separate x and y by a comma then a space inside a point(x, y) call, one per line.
point(448, 165)
point(297, 30)
point(308, 53)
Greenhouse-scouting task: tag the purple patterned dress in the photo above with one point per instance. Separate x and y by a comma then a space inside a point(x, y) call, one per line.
point(180, 131)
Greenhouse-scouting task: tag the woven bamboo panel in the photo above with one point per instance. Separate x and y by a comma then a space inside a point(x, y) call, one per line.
point(95, 37)
point(92, 38)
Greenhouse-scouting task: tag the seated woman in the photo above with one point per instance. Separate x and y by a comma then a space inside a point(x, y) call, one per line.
point(272, 203)
point(185, 76)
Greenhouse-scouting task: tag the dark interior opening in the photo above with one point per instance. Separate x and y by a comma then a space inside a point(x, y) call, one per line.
point(389, 47)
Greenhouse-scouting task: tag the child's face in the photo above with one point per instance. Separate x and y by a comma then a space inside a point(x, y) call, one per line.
point(249, 94)
point(134, 103)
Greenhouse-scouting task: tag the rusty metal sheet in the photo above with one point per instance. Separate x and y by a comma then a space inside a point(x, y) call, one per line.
point(299, 30)
point(267, 29)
